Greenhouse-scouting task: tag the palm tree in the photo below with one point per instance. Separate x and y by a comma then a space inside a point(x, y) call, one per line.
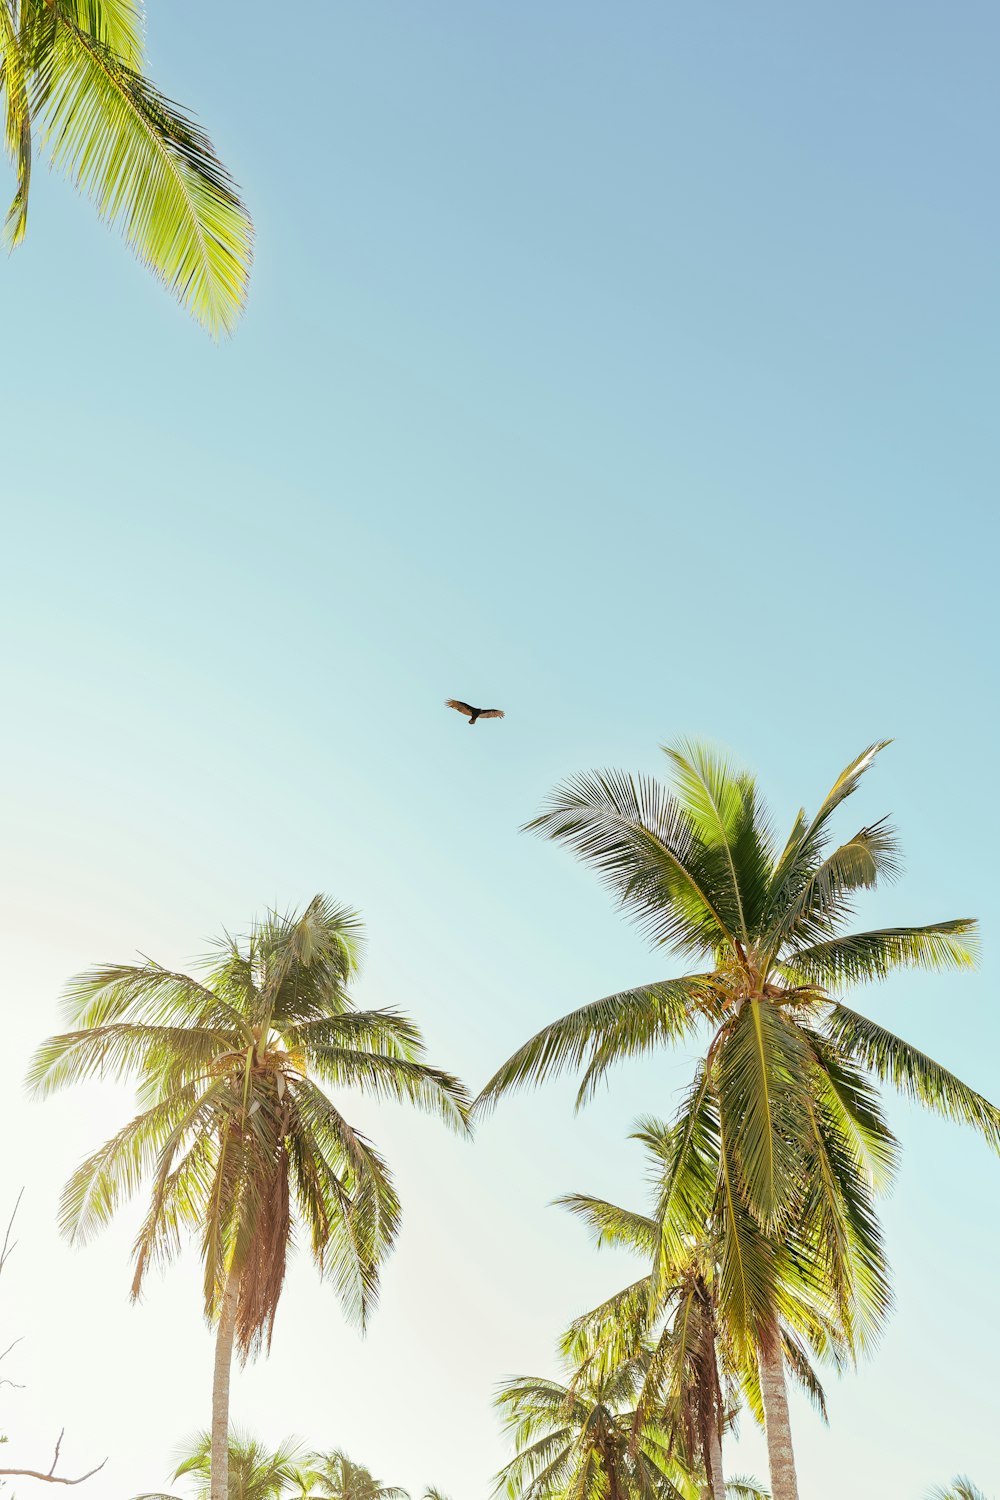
point(781, 1121)
point(333, 1476)
point(697, 1375)
point(71, 79)
point(255, 1472)
point(582, 1440)
point(234, 1133)
point(960, 1488)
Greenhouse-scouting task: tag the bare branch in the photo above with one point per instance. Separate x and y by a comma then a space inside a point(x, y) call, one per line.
point(9, 1248)
point(52, 1477)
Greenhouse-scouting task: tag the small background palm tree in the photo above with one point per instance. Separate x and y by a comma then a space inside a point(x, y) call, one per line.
point(961, 1488)
point(255, 1471)
point(334, 1476)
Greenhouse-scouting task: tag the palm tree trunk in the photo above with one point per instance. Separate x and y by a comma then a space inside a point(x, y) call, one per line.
point(716, 1487)
point(777, 1424)
point(224, 1338)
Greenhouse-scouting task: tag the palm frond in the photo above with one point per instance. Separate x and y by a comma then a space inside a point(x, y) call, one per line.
point(763, 1069)
point(627, 1024)
point(861, 957)
point(396, 1078)
point(146, 166)
point(724, 809)
point(915, 1074)
point(808, 837)
point(644, 846)
point(611, 1225)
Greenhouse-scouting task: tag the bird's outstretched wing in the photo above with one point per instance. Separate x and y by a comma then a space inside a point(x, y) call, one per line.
point(491, 713)
point(463, 708)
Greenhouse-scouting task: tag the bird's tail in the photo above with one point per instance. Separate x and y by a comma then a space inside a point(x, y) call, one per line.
point(472, 719)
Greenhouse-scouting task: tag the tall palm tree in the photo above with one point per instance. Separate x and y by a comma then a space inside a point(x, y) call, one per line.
point(235, 1133)
point(255, 1472)
point(72, 81)
point(782, 1119)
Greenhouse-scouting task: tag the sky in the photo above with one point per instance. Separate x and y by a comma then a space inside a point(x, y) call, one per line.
point(633, 368)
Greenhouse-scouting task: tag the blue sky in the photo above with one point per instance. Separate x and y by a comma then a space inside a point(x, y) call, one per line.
point(634, 369)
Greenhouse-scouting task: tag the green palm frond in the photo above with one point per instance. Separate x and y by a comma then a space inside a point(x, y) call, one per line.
point(139, 157)
point(123, 1048)
point(747, 1259)
point(825, 897)
point(915, 1074)
point(723, 807)
point(611, 1225)
point(743, 1487)
point(627, 1024)
point(961, 1488)
point(612, 1331)
point(645, 847)
point(14, 82)
point(808, 838)
point(395, 1078)
point(764, 1067)
point(863, 957)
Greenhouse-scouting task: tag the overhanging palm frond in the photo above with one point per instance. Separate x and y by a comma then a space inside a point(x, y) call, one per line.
point(17, 121)
point(607, 1031)
point(145, 165)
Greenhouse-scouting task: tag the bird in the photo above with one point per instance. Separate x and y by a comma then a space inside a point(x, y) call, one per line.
point(473, 713)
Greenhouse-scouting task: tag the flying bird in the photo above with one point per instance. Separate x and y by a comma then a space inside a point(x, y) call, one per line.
point(473, 713)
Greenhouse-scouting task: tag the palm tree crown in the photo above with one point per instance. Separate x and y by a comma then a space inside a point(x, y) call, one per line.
point(582, 1439)
point(235, 1132)
point(255, 1472)
point(334, 1476)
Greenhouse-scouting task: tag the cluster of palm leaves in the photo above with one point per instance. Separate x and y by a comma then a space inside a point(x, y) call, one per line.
point(72, 84)
point(762, 1251)
point(287, 1472)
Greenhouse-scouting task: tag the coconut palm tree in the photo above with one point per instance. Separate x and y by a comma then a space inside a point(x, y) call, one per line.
point(581, 1439)
point(334, 1476)
point(255, 1472)
point(71, 80)
point(587, 1440)
point(235, 1133)
point(782, 1122)
point(697, 1375)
